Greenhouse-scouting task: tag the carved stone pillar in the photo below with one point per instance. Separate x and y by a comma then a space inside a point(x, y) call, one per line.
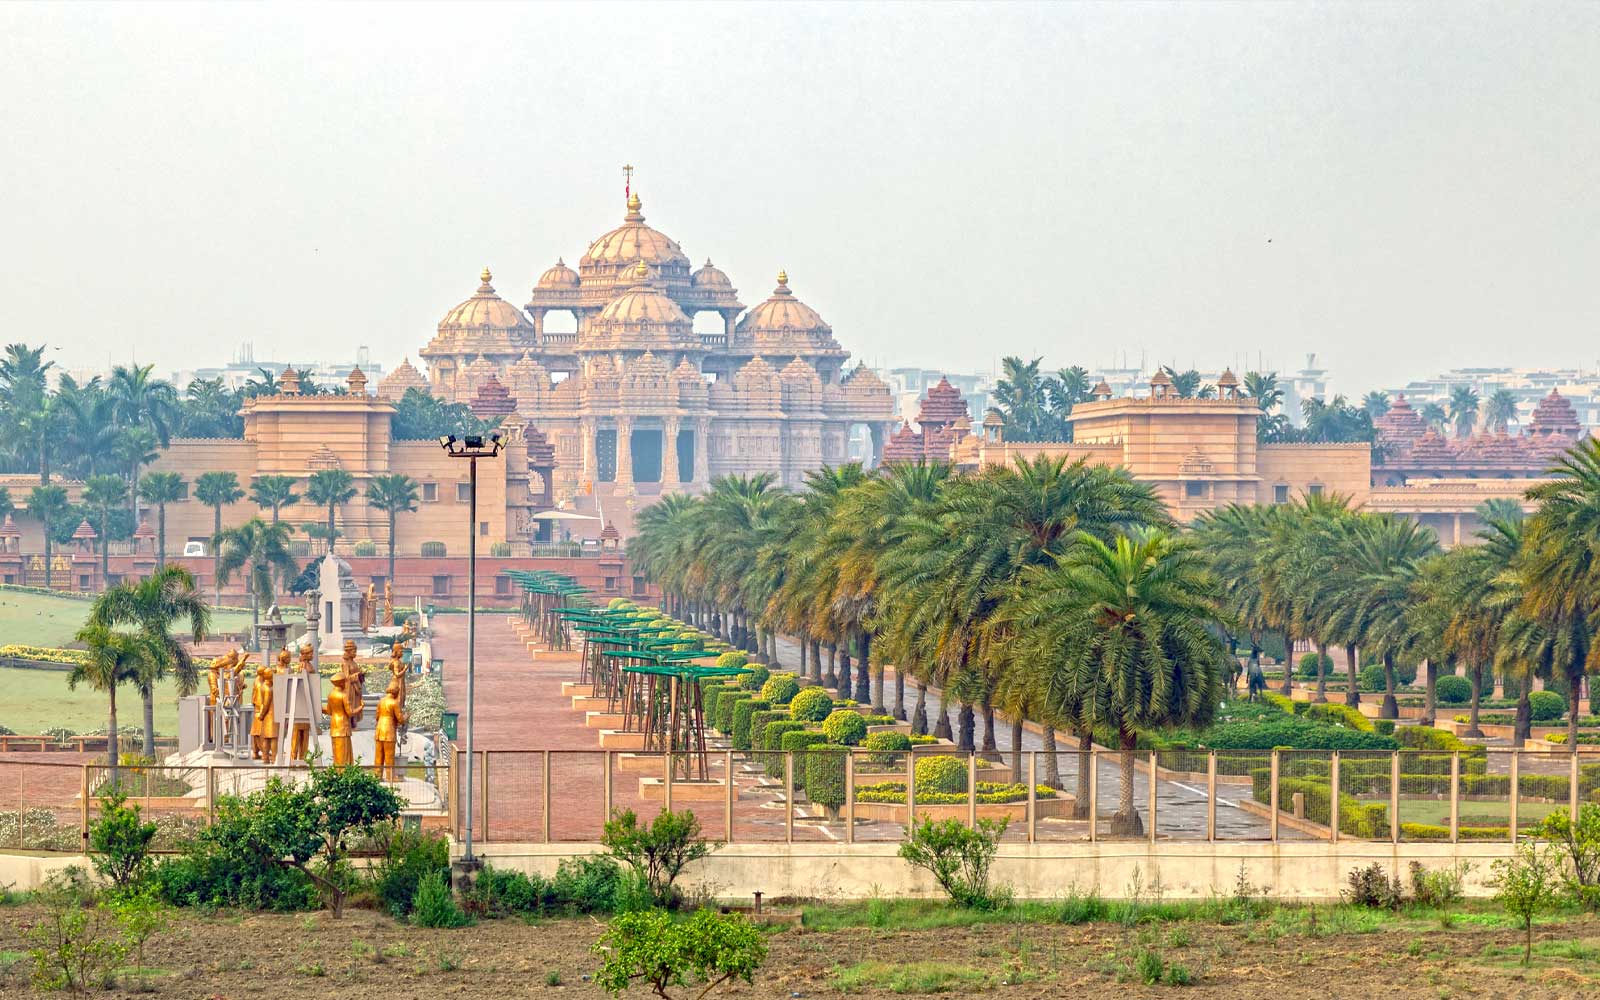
point(586, 477)
point(669, 454)
point(624, 481)
point(702, 453)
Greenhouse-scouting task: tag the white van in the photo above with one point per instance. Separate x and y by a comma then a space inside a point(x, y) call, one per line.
point(194, 548)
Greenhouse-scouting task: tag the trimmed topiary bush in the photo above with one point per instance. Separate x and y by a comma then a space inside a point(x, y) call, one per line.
point(714, 693)
point(772, 742)
point(824, 764)
point(733, 658)
point(742, 714)
point(780, 689)
point(1338, 715)
point(1383, 727)
point(1453, 690)
point(1547, 706)
point(759, 722)
point(941, 774)
point(727, 705)
point(845, 728)
point(811, 705)
point(754, 676)
point(799, 741)
point(1371, 678)
point(886, 748)
point(1308, 665)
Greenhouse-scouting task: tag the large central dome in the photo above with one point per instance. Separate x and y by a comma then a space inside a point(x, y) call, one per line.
point(634, 241)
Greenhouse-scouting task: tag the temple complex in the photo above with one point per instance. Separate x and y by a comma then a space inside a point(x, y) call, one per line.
point(631, 398)
point(1410, 449)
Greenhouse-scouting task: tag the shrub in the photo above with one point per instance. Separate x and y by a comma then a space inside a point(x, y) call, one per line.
point(780, 689)
point(772, 735)
point(824, 767)
point(733, 658)
point(1309, 662)
point(367, 548)
point(754, 676)
point(619, 604)
point(1338, 715)
point(73, 942)
point(811, 705)
point(1383, 727)
point(650, 946)
point(878, 720)
point(408, 859)
point(659, 852)
point(711, 695)
point(1453, 690)
point(742, 713)
point(1437, 888)
point(958, 858)
point(435, 905)
point(1372, 887)
point(497, 892)
point(141, 914)
point(759, 722)
point(886, 748)
point(941, 774)
point(119, 843)
point(1526, 886)
point(1371, 678)
point(1547, 706)
point(726, 706)
point(1581, 841)
point(595, 884)
point(845, 727)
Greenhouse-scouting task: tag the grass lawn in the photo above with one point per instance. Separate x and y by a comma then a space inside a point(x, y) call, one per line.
point(1436, 812)
point(38, 620)
point(32, 701)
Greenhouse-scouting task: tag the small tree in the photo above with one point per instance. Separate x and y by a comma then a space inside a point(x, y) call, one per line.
point(119, 842)
point(142, 915)
point(1526, 886)
point(1581, 841)
point(658, 852)
point(958, 858)
point(74, 946)
point(309, 827)
point(708, 948)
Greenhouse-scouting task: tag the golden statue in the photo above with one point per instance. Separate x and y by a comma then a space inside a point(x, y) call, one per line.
point(300, 739)
point(214, 691)
point(341, 720)
point(355, 677)
point(369, 608)
point(397, 668)
point(264, 728)
point(388, 603)
point(391, 716)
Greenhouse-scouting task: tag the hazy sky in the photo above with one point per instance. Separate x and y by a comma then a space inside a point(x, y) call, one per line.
point(1399, 188)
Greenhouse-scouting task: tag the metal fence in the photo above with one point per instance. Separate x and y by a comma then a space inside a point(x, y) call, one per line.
point(800, 796)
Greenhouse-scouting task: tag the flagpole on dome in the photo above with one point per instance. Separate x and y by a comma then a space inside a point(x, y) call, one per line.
point(627, 182)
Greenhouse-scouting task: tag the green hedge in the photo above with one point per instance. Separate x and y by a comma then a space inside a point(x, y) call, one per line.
point(988, 793)
point(811, 705)
point(1338, 715)
point(845, 727)
point(743, 712)
point(727, 705)
point(797, 741)
point(887, 748)
point(780, 689)
point(711, 693)
point(825, 781)
point(759, 721)
point(1546, 706)
point(1356, 818)
point(1427, 831)
point(754, 676)
point(772, 743)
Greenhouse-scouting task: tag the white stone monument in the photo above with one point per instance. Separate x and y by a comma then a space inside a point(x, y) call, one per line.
point(341, 605)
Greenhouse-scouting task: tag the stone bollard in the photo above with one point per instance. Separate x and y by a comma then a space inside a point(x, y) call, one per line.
point(1298, 805)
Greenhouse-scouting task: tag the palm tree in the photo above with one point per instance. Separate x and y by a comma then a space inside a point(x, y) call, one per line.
point(141, 401)
point(153, 606)
point(266, 385)
point(85, 422)
point(1376, 403)
point(1384, 555)
point(113, 657)
point(331, 488)
point(1019, 395)
point(261, 550)
point(217, 490)
point(1500, 410)
point(47, 504)
point(394, 494)
point(103, 494)
point(273, 493)
point(1433, 414)
point(1464, 409)
point(162, 488)
point(25, 407)
point(1130, 639)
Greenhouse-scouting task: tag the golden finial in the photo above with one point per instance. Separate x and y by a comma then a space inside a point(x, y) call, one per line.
point(484, 276)
point(634, 204)
point(783, 278)
point(642, 272)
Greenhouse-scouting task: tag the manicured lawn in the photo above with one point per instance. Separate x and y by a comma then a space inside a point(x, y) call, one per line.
point(32, 701)
point(1436, 812)
point(38, 620)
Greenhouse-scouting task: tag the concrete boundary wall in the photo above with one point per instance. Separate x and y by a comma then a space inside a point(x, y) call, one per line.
point(1307, 871)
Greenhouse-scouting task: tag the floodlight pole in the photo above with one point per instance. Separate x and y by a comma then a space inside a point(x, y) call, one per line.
point(471, 449)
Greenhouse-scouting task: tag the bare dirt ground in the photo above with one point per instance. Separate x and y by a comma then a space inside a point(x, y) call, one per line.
point(368, 955)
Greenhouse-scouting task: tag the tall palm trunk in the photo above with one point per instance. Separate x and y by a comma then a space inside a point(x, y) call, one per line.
point(899, 695)
point(216, 556)
point(989, 743)
point(919, 717)
point(1016, 746)
point(1475, 678)
point(48, 549)
point(1288, 665)
point(816, 659)
point(330, 529)
point(1052, 767)
point(863, 672)
point(831, 677)
point(843, 685)
point(148, 693)
point(1352, 694)
point(941, 728)
point(105, 548)
point(1324, 664)
point(1126, 823)
point(392, 588)
point(1391, 706)
point(878, 707)
point(967, 720)
point(111, 738)
point(1430, 679)
point(161, 536)
point(1524, 728)
point(1080, 807)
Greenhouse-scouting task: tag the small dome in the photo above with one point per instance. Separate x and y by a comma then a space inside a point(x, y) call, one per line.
point(485, 310)
point(633, 240)
point(783, 316)
point(559, 276)
point(710, 277)
point(643, 308)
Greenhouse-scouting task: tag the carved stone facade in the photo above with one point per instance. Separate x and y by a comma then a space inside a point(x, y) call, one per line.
point(635, 401)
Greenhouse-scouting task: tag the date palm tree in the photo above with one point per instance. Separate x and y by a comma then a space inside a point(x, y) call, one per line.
point(154, 606)
point(1464, 402)
point(332, 489)
point(1500, 409)
point(162, 488)
point(1129, 630)
point(140, 401)
point(1376, 403)
point(261, 550)
point(113, 658)
point(47, 504)
point(1382, 561)
point(217, 490)
point(273, 493)
point(26, 412)
point(395, 494)
point(85, 422)
point(103, 494)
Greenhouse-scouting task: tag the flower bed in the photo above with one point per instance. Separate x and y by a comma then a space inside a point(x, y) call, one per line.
point(989, 792)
